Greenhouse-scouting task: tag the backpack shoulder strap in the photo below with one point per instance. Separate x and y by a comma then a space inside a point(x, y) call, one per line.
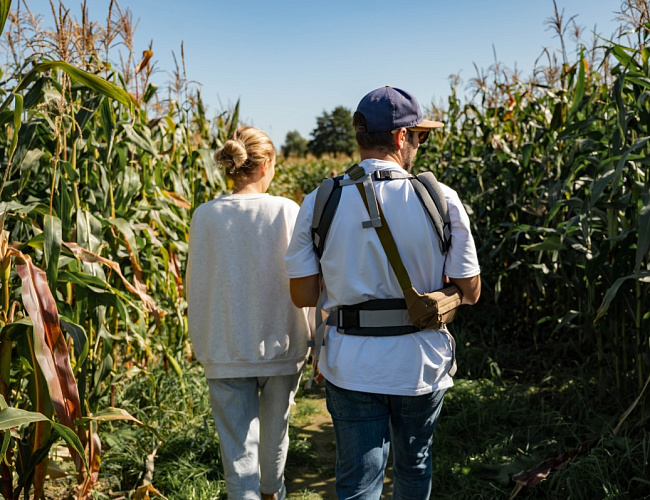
point(327, 201)
point(431, 196)
point(426, 187)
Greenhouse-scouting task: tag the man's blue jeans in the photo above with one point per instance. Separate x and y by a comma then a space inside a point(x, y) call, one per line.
point(365, 424)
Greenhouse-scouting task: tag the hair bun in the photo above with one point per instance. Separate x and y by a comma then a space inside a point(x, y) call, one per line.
point(232, 155)
point(245, 152)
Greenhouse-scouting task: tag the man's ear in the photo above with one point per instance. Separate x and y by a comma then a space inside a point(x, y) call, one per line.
point(400, 138)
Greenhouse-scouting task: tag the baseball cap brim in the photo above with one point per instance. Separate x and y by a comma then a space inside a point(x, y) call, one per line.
point(425, 125)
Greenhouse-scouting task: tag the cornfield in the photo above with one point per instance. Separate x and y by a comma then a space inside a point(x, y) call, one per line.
point(96, 202)
point(101, 173)
point(555, 171)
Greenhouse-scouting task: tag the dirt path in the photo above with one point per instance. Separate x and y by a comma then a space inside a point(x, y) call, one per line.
point(316, 429)
point(311, 481)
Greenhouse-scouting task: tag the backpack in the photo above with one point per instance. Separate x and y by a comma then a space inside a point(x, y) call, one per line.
point(327, 199)
point(425, 185)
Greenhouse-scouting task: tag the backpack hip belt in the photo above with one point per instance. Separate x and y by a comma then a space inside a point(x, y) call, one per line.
point(376, 318)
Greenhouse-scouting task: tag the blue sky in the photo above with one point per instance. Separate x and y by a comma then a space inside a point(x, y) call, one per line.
point(290, 60)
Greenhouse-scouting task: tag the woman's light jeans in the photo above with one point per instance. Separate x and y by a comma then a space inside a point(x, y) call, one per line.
point(252, 420)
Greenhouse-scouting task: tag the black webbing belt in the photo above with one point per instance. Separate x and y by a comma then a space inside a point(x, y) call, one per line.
point(353, 320)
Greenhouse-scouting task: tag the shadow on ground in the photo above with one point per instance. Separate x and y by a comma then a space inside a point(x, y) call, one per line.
point(310, 471)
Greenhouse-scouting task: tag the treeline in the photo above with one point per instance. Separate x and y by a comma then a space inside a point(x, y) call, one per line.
point(334, 134)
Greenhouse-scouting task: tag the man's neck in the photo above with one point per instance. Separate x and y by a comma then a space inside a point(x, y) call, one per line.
point(378, 154)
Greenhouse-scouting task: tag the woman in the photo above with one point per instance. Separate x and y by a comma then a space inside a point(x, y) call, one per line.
point(246, 332)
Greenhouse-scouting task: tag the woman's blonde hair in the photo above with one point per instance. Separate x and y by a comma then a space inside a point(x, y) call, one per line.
point(245, 151)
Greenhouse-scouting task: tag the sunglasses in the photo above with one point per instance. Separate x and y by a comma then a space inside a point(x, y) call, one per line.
point(423, 135)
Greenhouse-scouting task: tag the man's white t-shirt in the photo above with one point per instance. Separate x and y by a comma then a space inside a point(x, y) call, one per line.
point(355, 269)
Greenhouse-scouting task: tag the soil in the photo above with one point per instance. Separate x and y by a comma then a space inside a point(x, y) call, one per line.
point(306, 481)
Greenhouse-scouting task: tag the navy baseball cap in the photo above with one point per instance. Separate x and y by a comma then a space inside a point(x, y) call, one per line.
point(388, 108)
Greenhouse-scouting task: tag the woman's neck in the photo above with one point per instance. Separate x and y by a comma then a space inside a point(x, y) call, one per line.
point(248, 189)
point(258, 186)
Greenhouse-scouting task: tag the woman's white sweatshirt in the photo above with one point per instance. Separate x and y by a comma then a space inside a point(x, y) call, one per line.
point(242, 322)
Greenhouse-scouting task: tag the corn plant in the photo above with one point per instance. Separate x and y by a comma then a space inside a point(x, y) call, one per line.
point(555, 173)
point(95, 204)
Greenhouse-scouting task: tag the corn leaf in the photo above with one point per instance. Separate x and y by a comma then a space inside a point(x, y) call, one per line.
point(6, 437)
point(5, 5)
point(129, 237)
point(553, 242)
point(92, 475)
point(137, 289)
point(78, 335)
point(176, 199)
point(141, 138)
point(15, 417)
point(18, 109)
point(107, 119)
point(611, 293)
point(12, 330)
point(112, 414)
point(234, 120)
point(621, 53)
point(52, 249)
point(177, 368)
point(627, 412)
point(91, 81)
point(142, 492)
point(71, 439)
point(643, 245)
point(579, 91)
point(50, 348)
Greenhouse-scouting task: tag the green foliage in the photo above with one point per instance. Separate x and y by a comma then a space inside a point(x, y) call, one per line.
point(555, 177)
point(100, 181)
point(334, 133)
point(187, 459)
point(294, 145)
point(297, 177)
point(5, 5)
point(97, 192)
point(490, 431)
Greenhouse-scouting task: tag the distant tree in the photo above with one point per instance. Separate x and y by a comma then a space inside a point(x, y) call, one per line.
point(294, 144)
point(334, 133)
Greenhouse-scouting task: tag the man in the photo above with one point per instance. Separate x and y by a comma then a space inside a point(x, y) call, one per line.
point(383, 389)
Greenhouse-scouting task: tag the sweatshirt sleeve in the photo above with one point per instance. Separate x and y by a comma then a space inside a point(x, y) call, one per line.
point(301, 260)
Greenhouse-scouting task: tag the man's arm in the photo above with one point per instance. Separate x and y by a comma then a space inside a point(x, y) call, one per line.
point(304, 291)
point(469, 287)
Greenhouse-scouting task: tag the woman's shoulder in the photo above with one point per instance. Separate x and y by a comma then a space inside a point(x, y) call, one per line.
point(284, 203)
point(206, 206)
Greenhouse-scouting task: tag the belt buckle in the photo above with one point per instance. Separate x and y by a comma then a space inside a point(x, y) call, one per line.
point(348, 318)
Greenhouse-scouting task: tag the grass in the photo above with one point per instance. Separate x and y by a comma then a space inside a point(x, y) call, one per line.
point(490, 429)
